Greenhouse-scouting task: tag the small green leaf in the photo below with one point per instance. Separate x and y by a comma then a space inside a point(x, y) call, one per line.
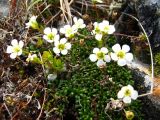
point(39, 42)
point(47, 56)
point(57, 64)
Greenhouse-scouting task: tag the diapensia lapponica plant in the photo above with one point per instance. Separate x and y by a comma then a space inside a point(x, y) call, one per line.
point(62, 40)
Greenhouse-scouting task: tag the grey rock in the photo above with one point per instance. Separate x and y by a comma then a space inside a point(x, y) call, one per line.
point(148, 13)
point(150, 103)
point(4, 5)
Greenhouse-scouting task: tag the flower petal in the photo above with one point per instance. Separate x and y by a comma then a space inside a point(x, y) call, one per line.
point(126, 48)
point(75, 19)
point(83, 25)
point(56, 50)
point(50, 41)
point(105, 22)
point(67, 27)
point(56, 43)
point(130, 87)
point(80, 21)
point(62, 30)
point(98, 37)
point(19, 53)
point(56, 38)
point(111, 29)
point(104, 50)
point(95, 24)
point(9, 49)
point(120, 94)
point(14, 42)
point(127, 100)
point(107, 58)
point(134, 95)
point(33, 18)
point(45, 37)
point(93, 57)
point(95, 50)
point(54, 31)
point(122, 62)
point(21, 44)
point(114, 56)
point(63, 41)
point(47, 30)
point(68, 46)
point(123, 89)
point(116, 48)
point(13, 55)
point(129, 57)
point(101, 63)
point(64, 52)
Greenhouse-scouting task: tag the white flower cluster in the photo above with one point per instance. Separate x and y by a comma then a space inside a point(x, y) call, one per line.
point(70, 31)
point(50, 35)
point(100, 55)
point(120, 55)
point(61, 45)
point(102, 28)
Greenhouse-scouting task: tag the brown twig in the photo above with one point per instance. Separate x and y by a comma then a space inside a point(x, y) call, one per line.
point(44, 99)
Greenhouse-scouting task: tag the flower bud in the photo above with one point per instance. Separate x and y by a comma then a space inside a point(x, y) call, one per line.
point(129, 115)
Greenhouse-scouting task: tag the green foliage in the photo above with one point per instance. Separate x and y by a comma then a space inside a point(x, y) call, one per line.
point(157, 59)
point(52, 63)
point(157, 64)
point(88, 89)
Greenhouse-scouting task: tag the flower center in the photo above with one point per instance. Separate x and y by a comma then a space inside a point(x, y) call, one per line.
point(34, 24)
point(106, 28)
point(50, 36)
point(100, 55)
point(69, 31)
point(97, 30)
point(61, 46)
point(16, 49)
point(127, 92)
point(121, 54)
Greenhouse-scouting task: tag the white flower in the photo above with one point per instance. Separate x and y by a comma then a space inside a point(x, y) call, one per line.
point(16, 48)
point(147, 81)
point(78, 23)
point(106, 28)
point(32, 23)
point(121, 55)
point(50, 35)
point(68, 31)
point(31, 57)
point(97, 31)
point(100, 55)
point(102, 28)
point(62, 46)
point(98, 1)
point(127, 93)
